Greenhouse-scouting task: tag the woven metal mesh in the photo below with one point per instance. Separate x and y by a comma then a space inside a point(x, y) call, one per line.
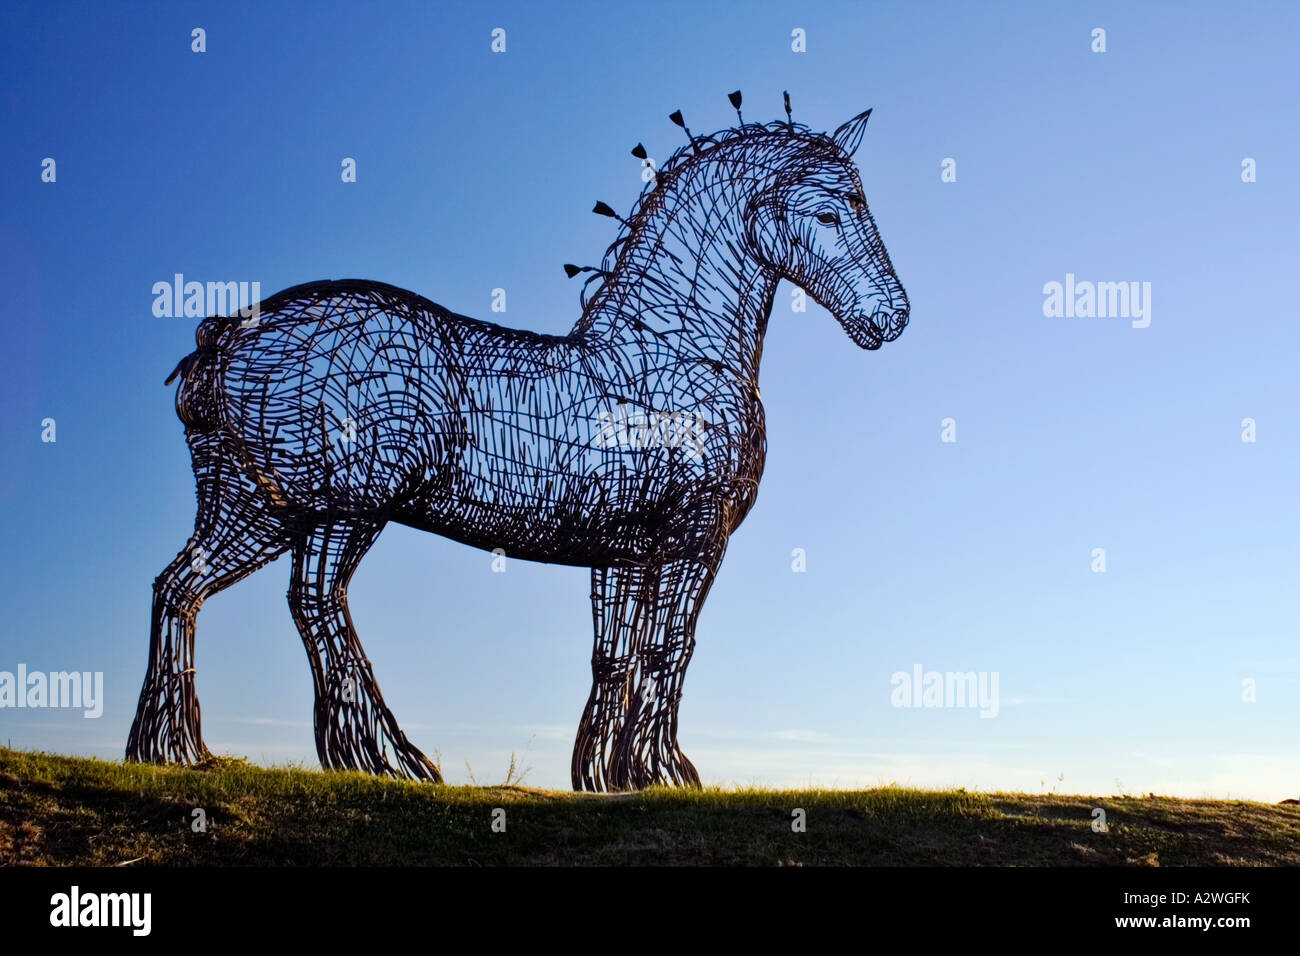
point(633, 445)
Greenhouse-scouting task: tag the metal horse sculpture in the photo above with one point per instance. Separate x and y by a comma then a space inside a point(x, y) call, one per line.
point(633, 445)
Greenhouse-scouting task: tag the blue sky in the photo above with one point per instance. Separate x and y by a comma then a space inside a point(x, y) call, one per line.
point(477, 170)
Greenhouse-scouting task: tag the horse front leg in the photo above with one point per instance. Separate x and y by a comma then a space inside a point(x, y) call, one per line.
point(645, 633)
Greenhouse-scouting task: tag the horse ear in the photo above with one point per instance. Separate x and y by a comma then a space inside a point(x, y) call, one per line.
point(848, 136)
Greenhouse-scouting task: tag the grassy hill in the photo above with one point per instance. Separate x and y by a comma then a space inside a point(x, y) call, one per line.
point(66, 810)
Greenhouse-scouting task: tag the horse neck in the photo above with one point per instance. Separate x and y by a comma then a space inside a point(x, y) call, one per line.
point(682, 287)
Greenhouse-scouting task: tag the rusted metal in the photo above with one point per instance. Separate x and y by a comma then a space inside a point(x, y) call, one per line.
point(633, 445)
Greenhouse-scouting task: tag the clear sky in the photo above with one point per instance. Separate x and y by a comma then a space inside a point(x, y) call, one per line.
point(477, 170)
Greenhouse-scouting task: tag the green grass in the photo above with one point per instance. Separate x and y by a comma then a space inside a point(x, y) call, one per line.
point(58, 810)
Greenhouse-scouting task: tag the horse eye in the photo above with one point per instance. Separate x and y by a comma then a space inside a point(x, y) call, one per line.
point(828, 219)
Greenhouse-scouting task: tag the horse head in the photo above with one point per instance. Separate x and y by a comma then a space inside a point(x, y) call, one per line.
point(810, 224)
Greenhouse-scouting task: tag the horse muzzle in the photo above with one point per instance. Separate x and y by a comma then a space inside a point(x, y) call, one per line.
point(870, 330)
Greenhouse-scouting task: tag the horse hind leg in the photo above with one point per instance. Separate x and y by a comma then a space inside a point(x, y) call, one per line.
point(234, 535)
point(355, 730)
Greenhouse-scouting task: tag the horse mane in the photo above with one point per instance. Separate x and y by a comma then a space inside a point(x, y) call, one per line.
point(682, 159)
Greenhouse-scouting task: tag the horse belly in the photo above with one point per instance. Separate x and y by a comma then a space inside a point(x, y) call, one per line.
point(595, 510)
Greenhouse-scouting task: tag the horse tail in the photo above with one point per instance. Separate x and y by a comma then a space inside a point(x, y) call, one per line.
point(183, 367)
point(199, 400)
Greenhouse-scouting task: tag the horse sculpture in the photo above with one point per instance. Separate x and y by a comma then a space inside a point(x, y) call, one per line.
point(633, 445)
